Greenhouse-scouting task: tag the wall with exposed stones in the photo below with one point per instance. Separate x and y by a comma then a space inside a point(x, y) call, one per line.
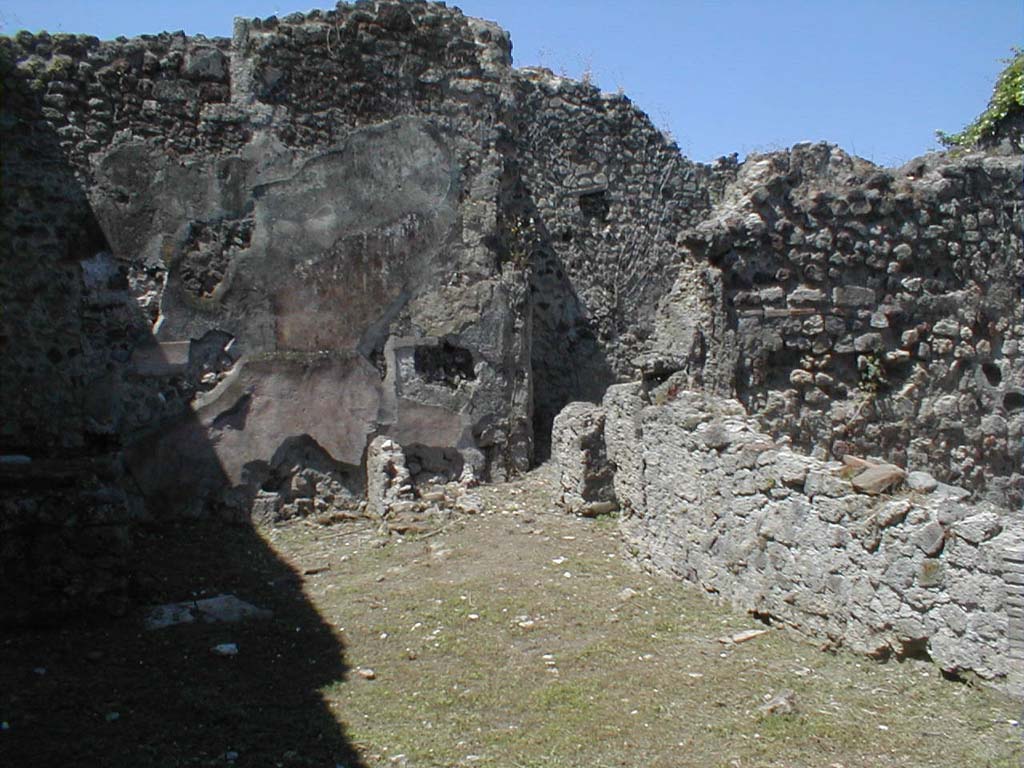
point(238, 261)
point(898, 567)
point(852, 311)
point(605, 198)
point(605, 204)
point(235, 262)
point(236, 265)
point(865, 310)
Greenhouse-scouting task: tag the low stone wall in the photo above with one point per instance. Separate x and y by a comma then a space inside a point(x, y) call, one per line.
point(708, 497)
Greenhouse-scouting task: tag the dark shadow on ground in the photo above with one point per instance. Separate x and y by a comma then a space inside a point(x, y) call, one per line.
point(108, 693)
point(81, 682)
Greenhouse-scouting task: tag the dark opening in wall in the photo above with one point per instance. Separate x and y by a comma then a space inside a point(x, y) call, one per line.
point(1013, 401)
point(594, 205)
point(444, 363)
point(433, 464)
point(235, 416)
point(915, 648)
point(992, 373)
point(378, 361)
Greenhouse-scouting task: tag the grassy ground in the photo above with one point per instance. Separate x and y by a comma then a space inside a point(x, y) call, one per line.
point(515, 638)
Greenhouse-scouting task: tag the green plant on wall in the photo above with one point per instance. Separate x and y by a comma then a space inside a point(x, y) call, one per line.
point(1007, 99)
point(521, 237)
point(872, 374)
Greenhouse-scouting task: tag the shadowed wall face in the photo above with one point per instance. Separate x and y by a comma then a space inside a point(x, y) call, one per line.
point(276, 240)
point(216, 276)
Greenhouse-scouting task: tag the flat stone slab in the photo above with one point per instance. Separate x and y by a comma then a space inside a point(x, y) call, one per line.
point(227, 609)
point(742, 636)
point(877, 479)
point(921, 482)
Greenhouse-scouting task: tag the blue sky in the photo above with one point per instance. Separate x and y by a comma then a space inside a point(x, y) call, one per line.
point(876, 77)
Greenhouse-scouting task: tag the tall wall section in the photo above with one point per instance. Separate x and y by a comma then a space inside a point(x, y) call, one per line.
point(608, 197)
point(873, 311)
point(234, 262)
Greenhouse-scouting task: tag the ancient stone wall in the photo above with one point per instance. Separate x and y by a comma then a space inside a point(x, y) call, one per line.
point(270, 249)
point(853, 311)
point(235, 264)
point(286, 197)
point(871, 311)
point(920, 571)
point(63, 510)
point(606, 197)
point(236, 261)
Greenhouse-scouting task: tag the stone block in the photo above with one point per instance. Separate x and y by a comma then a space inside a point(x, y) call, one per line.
point(792, 469)
point(806, 295)
point(878, 479)
point(930, 539)
point(204, 63)
point(869, 342)
point(578, 450)
point(921, 482)
point(946, 327)
point(853, 296)
point(931, 573)
point(387, 477)
point(623, 436)
point(978, 528)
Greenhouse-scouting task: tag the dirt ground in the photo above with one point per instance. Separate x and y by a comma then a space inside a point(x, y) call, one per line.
point(516, 637)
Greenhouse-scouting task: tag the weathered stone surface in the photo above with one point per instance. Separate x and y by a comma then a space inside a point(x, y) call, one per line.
point(921, 482)
point(930, 538)
point(219, 609)
point(578, 447)
point(978, 528)
point(853, 296)
point(388, 481)
point(878, 479)
point(622, 404)
point(781, 533)
point(904, 343)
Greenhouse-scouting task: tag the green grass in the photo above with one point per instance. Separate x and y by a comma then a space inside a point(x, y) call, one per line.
point(485, 653)
point(638, 680)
